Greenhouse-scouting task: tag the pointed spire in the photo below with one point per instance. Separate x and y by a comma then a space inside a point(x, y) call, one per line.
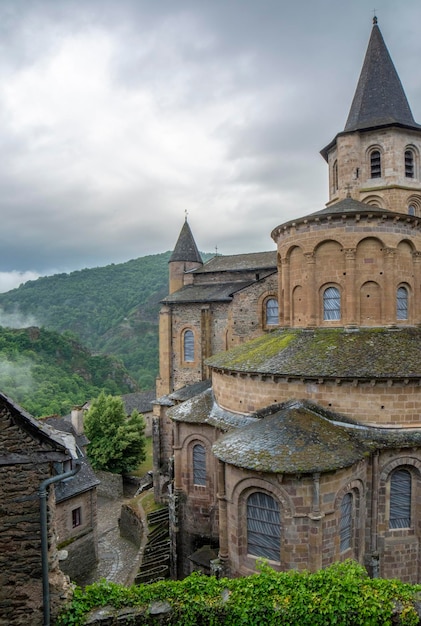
point(185, 248)
point(379, 98)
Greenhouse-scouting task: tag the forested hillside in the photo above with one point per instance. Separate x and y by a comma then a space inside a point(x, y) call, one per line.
point(48, 373)
point(111, 310)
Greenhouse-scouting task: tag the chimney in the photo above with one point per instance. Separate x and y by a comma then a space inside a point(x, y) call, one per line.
point(77, 419)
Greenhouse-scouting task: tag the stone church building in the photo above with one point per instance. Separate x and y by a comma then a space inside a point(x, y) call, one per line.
point(288, 424)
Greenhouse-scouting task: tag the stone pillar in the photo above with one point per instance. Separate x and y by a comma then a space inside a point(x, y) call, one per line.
point(389, 286)
point(350, 297)
point(310, 290)
point(223, 514)
point(285, 289)
point(164, 381)
point(206, 338)
point(415, 305)
point(315, 537)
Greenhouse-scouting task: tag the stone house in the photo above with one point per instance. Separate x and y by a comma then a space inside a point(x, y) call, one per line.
point(76, 505)
point(30, 453)
point(300, 438)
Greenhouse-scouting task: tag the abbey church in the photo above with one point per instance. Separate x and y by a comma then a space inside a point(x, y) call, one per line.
point(288, 420)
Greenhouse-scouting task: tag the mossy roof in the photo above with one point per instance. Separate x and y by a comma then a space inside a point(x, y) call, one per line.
point(296, 439)
point(371, 353)
point(302, 438)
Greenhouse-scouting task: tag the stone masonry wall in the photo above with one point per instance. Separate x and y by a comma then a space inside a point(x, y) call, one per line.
point(368, 402)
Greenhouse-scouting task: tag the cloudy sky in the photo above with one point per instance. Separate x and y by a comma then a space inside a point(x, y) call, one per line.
point(117, 116)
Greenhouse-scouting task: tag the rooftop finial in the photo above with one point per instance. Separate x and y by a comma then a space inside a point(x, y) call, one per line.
point(185, 215)
point(374, 17)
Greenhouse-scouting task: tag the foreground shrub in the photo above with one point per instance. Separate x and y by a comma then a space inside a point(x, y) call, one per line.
point(340, 595)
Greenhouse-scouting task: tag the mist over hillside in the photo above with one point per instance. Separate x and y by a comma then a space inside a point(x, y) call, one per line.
point(111, 310)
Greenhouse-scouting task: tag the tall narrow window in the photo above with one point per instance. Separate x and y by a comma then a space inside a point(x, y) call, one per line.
point(375, 164)
point(400, 499)
point(272, 312)
point(411, 210)
point(76, 517)
point(335, 176)
point(331, 304)
point(188, 346)
point(263, 526)
point(199, 465)
point(409, 164)
point(345, 525)
point(402, 303)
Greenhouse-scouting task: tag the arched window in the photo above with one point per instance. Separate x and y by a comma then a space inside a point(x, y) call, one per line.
point(263, 526)
point(188, 346)
point(335, 176)
point(400, 499)
point(411, 209)
point(409, 164)
point(375, 164)
point(199, 465)
point(402, 303)
point(272, 312)
point(345, 524)
point(331, 304)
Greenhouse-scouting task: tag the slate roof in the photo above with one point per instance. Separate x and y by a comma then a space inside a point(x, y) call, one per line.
point(214, 292)
point(142, 401)
point(379, 99)
point(239, 262)
point(366, 353)
point(37, 430)
point(185, 248)
point(302, 438)
point(184, 393)
point(202, 409)
point(85, 479)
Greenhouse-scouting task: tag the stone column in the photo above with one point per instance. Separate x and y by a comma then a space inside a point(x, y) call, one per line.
point(389, 285)
point(310, 289)
point(164, 381)
point(223, 514)
point(350, 297)
point(415, 305)
point(285, 289)
point(315, 536)
point(206, 339)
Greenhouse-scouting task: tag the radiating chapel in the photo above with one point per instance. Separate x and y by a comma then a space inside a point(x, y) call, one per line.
point(288, 424)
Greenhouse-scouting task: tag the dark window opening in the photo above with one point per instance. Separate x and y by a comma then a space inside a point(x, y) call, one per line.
point(375, 164)
point(409, 164)
point(76, 517)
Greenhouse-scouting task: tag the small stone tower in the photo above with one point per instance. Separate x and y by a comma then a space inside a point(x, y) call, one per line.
point(185, 257)
point(376, 158)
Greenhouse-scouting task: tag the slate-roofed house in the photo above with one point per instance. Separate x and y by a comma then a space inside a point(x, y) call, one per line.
point(76, 506)
point(30, 453)
point(305, 447)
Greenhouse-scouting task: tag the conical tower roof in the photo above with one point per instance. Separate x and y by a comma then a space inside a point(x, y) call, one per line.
point(379, 99)
point(185, 248)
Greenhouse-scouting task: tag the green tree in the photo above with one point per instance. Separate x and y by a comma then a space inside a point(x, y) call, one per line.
point(117, 442)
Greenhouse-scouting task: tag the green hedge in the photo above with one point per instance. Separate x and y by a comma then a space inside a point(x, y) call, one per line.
point(342, 595)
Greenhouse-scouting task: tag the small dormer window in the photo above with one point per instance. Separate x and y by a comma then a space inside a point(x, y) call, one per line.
point(409, 164)
point(375, 164)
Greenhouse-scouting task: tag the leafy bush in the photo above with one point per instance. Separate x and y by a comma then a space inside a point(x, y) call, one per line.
point(340, 595)
point(117, 442)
